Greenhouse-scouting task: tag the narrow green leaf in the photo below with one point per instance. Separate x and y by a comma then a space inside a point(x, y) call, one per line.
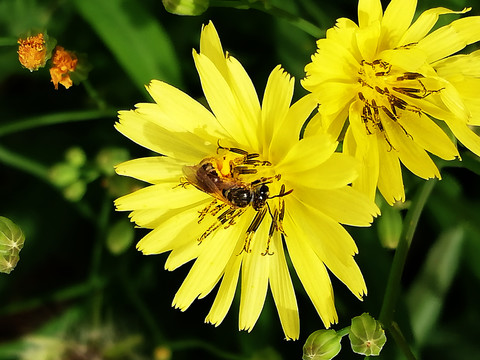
point(426, 295)
point(135, 37)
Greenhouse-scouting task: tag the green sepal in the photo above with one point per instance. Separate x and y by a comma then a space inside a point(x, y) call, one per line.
point(11, 242)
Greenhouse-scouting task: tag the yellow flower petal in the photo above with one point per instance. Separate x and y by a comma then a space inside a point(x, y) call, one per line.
point(310, 270)
point(282, 290)
point(282, 139)
point(437, 142)
point(211, 47)
point(221, 99)
point(169, 233)
point(465, 135)
point(276, 102)
point(396, 20)
point(316, 149)
point(247, 98)
point(390, 181)
point(210, 264)
point(337, 171)
point(345, 205)
point(168, 195)
point(369, 11)
point(410, 153)
point(173, 104)
point(425, 23)
point(226, 291)
point(153, 169)
point(255, 271)
point(185, 147)
point(334, 246)
point(451, 38)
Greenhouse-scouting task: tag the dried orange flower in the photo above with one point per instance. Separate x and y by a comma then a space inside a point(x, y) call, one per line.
point(64, 62)
point(32, 52)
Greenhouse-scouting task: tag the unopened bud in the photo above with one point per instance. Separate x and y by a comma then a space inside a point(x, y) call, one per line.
point(186, 7)
point(322, 345)
point(366, 335)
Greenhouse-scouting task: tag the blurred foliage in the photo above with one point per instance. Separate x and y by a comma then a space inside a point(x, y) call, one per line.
point(81, 285)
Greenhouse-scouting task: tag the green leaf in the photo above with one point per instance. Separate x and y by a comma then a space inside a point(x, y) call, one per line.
point(426, 295)
point(366, 335)
point(135, 37)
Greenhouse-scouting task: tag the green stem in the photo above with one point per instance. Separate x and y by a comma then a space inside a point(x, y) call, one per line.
point(194, 343)
point(295, 20)
point(56, 118)
point(392, 291)
point(400, 341)
point(6, 41)
point(65, 294)
point(22, 163)
point(140, 305)
point(102, 225)
point(94, 95)
point(344, 331)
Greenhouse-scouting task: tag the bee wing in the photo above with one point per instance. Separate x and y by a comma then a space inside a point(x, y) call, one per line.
point(198, 178)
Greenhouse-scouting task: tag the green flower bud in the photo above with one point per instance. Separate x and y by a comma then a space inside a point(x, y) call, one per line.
point(75, 191)
point(322, 345)
point(107, 158)
point(120, 237)
point(390, 226)
point(186, 7)
point(64, 174)
point(366, 335)
point(76, 156)
point(11, 242)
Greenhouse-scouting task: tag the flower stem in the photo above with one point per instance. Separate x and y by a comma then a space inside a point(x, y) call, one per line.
point(8, 41)
point(22, 163)
point(401, 342)
point(295, 20)
point(394, 280)
point(212, 349)
point(56, 118)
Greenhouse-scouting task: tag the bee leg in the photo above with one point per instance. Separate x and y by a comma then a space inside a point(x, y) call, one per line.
point(273, 227)
point(254, 225)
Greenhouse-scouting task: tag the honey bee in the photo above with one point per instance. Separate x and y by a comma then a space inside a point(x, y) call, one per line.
point(223, 182)
point(206, 177)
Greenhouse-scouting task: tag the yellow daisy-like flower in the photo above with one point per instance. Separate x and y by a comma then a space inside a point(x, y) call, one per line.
point(236, 186)
point(391, 78)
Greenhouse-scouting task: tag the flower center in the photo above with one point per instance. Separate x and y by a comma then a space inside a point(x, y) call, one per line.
point(386, 93)
point(237, 179)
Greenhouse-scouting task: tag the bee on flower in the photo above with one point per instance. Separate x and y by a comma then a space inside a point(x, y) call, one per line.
point(235, 189)
point(397, 82)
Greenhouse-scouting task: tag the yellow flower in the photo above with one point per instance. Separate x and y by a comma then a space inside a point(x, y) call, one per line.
point(236, 189)
point(391, 78)
point(64, 63)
